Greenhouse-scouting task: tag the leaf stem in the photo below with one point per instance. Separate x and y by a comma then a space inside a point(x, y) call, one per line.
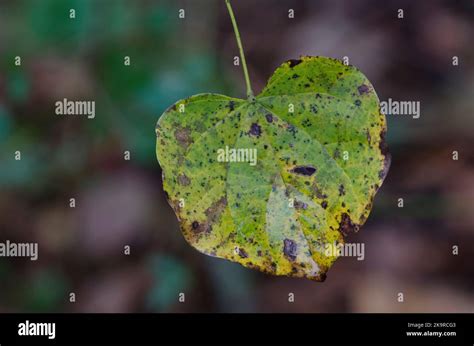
point(250, 95)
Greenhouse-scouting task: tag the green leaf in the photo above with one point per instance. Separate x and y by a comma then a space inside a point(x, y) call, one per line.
point(321, 157)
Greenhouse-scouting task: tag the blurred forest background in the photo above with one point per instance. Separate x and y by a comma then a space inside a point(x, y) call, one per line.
point(121, 202)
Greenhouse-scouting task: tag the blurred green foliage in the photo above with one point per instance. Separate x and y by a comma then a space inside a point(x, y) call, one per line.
point(169, 277)
point(129, 99)
point(83, 58)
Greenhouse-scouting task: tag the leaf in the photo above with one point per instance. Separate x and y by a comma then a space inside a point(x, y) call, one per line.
point(317, 171)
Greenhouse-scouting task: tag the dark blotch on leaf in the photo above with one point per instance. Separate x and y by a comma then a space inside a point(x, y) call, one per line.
point(195, 225)
point(387, 159)
point(183, 136)
point(243, 253)
point(319, 193)
point(346, 226)
point(363, 89)
point(342, 191)
point(289, 249)
point(383, 144)
point(269, 117)
point(255, 130)
point(300, 205)
point(324, 204)
point(294, 62)
point(304, 170)
point(214, 212)
point(357, 103)
point(184, 180)
point(292, 129)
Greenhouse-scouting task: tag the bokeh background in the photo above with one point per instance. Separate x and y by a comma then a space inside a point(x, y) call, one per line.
point(120, 202)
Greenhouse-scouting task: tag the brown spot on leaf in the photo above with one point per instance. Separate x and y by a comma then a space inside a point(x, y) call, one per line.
point(319, 193)
point(214, 211)
point(304, 170)
point(157, 131)
point(184, 180)
point(273, 267)
point(324, 204)
point(342, 191)
point(183, 136)
point(346, 226)
point(387, 157)
point(300, 205)
point(292, 129)
point(242, 253)
point(255, 130)
point(289, 249)
point(383, 143)
point(363, 89)
point(293, 62)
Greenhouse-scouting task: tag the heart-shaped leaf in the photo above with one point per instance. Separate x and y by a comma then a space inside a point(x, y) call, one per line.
point(274, 181)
